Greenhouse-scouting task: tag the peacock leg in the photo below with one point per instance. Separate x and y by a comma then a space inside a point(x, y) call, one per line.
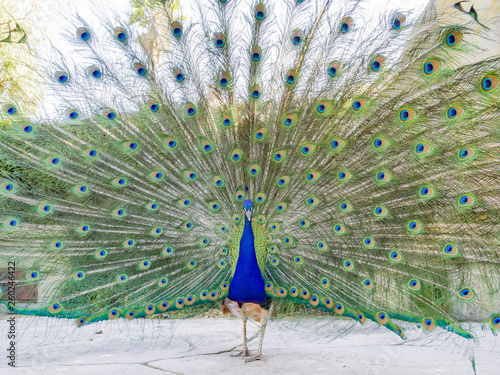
point(265, 316)
point(244, 350)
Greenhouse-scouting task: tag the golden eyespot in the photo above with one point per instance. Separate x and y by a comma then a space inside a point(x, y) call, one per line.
point(346, 25)
point(406, 114)
point(297, 37)
point(380, 143)
point(336, 144)
point(453, 38)
point(414, 226)
point(431, 67)
point(261, 197)
point(382, 318)
point(422, 148)
point(322, 107)
point(282, 181)
point(236, 155)
point(377, 64)
point(358, 104)
point(450, 249)
point(333, 69)
point(489, 83)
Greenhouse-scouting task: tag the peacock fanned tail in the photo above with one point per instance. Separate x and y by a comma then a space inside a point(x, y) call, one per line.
point(371, 156)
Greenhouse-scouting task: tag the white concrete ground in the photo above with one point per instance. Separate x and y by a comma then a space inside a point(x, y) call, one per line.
point(199, 346)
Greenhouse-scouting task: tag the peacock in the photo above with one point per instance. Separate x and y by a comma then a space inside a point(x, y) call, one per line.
point(262, 151)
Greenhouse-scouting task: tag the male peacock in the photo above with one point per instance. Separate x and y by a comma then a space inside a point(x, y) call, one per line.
point(365, 160)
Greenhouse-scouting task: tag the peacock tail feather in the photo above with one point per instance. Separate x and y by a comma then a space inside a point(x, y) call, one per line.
point(371, 156)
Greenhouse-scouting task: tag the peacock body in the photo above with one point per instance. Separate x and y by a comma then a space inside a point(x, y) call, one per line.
point(370, 160)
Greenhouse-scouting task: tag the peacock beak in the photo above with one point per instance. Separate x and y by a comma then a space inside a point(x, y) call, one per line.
point(248, 213)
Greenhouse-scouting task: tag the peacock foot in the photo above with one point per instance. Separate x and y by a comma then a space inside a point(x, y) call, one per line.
point(242, 353)
point(256, 357)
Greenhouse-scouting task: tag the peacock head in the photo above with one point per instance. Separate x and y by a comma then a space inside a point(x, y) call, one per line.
point(247, 206)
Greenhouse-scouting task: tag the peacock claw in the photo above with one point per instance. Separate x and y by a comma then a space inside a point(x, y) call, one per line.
point(242, 353)
point(256, 357)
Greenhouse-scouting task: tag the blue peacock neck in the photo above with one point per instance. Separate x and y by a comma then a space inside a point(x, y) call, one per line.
point(247, 284)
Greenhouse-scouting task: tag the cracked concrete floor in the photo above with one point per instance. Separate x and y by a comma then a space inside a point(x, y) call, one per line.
point(201, 346)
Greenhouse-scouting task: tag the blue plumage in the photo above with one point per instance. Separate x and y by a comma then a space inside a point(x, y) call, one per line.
point(247, 285)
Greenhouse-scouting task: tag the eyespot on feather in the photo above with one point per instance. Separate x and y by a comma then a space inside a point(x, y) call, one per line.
point(431, 67)
point(345, 206)
point(60, 77)
point(94, 71)
point(190, 110)
point(336, 144)
point(83, 33)
point(454, 112)
point(140, 69)
point(188, 225)
point(256, 54)
point(260, 134)
point(380, 211)
point(109, 114)
point(395, 256)
point(398, 21)
point(495, 322)
point(377, 64)
point(223, 80)
point(339, 308)
point(327, 302)
point(453, 38)
point(279, 156)
point(428, 324)
point(465, 200)
point(255, 92)
point(414, 284)
point(129, 243)
point(150, 309)
point(358, 105)
point(406, 114)
point(280, 207)
point(466, 293)
point(382, 176)
point(426, 192)
point(348, 265)
point(380, 143)
point(164, 306)
point(254, 170)
point(297, 37)
point(466, 153)
point(312, 176)
point(130, 314)
point(120, 34)
point(81, 321)
point(414, 226)
point(369, 242)
point(55, 308)
point(114, 314)
point(346, 25)
point(361, 317)
point(422, 149)
point(260, 12)
point(382, 318)
point(343, 176)
point(291, 78)
point(450, 250)
point(177, 29)
point(322, 108)
point(333, 69)
point(219, 40)
point(322, 246)
point(289, 120)
point(489, 83)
